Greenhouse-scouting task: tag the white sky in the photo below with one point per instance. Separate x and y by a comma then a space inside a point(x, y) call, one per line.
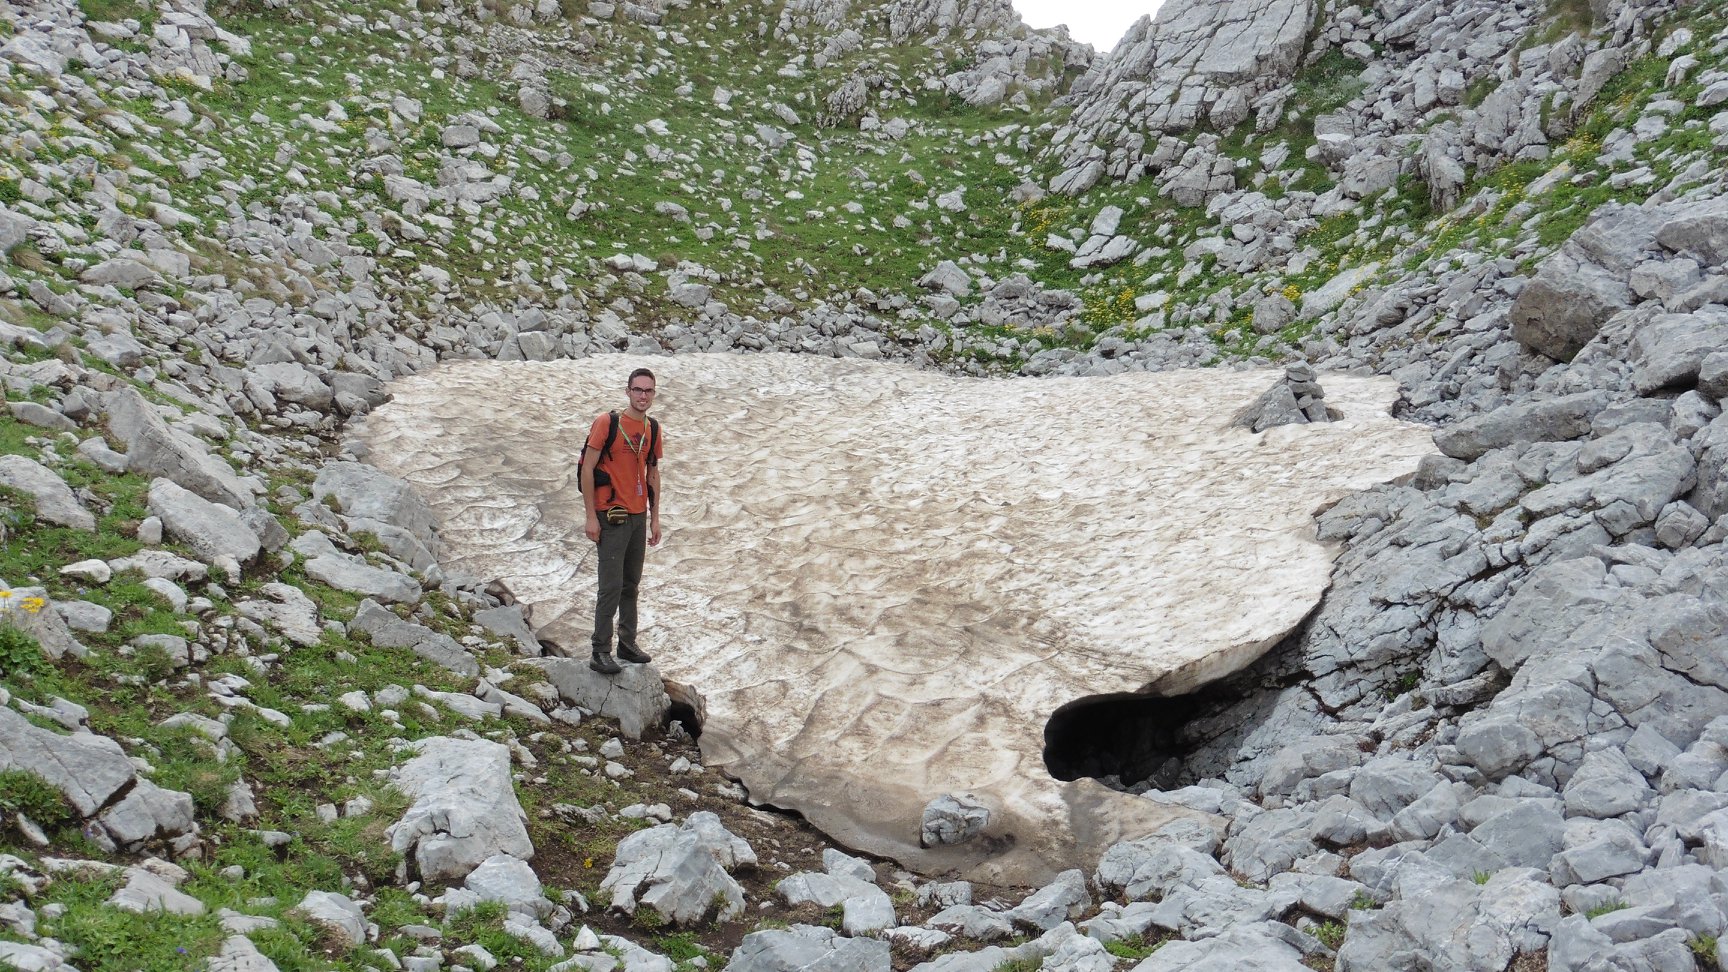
point(1100, 23)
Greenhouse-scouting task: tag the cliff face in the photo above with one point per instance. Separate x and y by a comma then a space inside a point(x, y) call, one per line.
point(1444, 94)
point(1197, 65)
point(232, 647)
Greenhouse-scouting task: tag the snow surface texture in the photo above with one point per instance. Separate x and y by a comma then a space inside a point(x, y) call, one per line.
point(878, 583)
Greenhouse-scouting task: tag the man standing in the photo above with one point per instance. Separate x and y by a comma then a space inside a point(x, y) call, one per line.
point(621, 489)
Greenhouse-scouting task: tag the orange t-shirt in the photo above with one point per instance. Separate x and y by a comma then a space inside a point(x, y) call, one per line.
point(628, 463)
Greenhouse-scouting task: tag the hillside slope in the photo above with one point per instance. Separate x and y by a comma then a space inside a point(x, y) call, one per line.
point(1498, 743)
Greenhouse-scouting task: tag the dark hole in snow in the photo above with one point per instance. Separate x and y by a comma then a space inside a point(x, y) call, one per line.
point(685, 715)
point(1121, 740)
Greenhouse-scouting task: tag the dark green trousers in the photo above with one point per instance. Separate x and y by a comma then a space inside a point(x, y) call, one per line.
point(621, 549)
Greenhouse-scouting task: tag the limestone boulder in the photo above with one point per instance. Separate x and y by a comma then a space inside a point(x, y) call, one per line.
point(389, 631)
point(152, 448)
point(1586, 282)
point(89, 769)
point(808, 948)
point(1543, 420)
point(511, 623)
point(122, 272)
point(953, 819)
point(148, 812)
point(286, 609)
point(1700, 231)
point(464, 809)
point(510, 882)
point(147, 891)
point(30, 611)
point(1579, 946)
point(339, 914)
point(1260, 947)
point(1649, 657)
point(55, 501)
point(1669, 351)
point(34, 958)
point(636, 696)
point(346, 572)
point(238, 954)
point(1515, 912)
point(947, 278)
point(212, 531)
point(295, 383)
point(681, 871)
point(363, 494)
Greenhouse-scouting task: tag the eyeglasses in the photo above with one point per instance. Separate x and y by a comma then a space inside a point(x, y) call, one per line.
point(641, 391)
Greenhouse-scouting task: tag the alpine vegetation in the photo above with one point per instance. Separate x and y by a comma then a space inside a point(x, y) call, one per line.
point(261, 708)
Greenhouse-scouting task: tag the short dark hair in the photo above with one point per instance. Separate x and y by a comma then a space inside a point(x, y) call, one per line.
point(640, 373)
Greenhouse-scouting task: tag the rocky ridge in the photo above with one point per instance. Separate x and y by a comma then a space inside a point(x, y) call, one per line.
point(1498, 742)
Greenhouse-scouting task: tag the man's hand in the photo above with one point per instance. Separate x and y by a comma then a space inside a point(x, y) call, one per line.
point(654, 532)
point(593, 528)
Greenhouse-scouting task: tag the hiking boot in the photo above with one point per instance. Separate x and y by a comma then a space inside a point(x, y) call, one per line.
point(633, 655)
point(601, 661)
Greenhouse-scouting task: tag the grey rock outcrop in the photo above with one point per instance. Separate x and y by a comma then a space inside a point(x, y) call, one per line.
point(681, 871)
point(389, 631)
point(636, 697)
point(346, 572)
point(808, 948)
point(1476, 926)
point(287, 610)
point(1566, 417)
point(511, 882)
point(238, 954)
point(1296, 399)
point(464, 808)
point(99, 782)
point(153, 448)
point(147, 891)
point(214, 532)
point(338, 913)
point(370, 501)
point(953, 819)
point(1193, 64)
point(55, 501)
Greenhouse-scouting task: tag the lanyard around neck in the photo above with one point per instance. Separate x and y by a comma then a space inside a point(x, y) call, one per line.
point(637, 445)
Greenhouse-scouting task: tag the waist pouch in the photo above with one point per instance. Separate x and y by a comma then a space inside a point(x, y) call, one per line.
point(617, 515)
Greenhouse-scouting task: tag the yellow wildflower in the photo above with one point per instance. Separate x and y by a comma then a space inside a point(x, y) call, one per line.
point(34, 604)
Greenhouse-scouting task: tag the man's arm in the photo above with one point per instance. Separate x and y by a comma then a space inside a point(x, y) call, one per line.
point(586, 478)
point(655, 498)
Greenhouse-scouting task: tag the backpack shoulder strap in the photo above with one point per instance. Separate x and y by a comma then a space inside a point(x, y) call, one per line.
point(611, 435)
point(653, 440)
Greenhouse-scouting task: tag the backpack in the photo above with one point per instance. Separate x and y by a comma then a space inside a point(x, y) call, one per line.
point(601, 476)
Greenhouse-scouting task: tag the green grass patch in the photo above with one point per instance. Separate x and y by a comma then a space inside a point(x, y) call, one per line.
point(111, 940)
point(484, 926)
point(21, 657)
point(1134, 947)
point(1328, 84)
point(115, 10)
point(1330, 933)
point(24, 792)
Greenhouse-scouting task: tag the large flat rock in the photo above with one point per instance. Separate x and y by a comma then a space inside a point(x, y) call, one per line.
point(882, 582)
